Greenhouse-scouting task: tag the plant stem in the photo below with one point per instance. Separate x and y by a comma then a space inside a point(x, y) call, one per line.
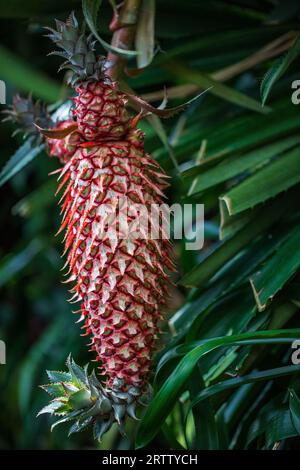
point(123, 25)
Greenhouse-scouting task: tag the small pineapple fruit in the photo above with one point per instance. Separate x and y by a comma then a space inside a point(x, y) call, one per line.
point(121, 282)
point(24, 112)
point(31, 116)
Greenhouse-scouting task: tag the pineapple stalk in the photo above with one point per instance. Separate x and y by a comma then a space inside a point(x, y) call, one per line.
point(123, 25)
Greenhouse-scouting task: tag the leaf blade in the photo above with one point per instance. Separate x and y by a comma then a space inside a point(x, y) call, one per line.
point(167, 395)
point(278, 69)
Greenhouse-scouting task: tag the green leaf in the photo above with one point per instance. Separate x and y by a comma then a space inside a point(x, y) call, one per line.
point(55, 389)
point(230, 224)
point(21, 74)
point(295, 410)
point(278, 69)
point(78, 374)
point(69, 417)
point(25, 154)
point(253, 377)
point(144, 37)
point(237, 164)
point(204, 81)
point(90, 10)
point(235, 273)
point(159, 129)
point(169, 393)
point(59, 376)
point(51, 408)
point(80, 400)
point(276, 425)
point(262, 220)
point(266, 183)
point(182, 319)
point(206, 431)
point(269, 280)
point(80, 425)
point(238, 134)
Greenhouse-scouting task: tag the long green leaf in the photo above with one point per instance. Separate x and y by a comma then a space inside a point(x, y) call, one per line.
point(25, 154)
point(238, 272)
point(169, 393)
point(295, 410)
point(222, 91)
point(160, 130)
point(266, 183)
point(206, 430)
point(237, 164)
point(238, 134)
point(230, 224)
point(253, 377)
point(278, 69)
point(267, 282)
point(262, 220)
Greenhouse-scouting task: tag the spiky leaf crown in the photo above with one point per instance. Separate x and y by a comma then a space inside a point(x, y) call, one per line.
point(80, 397)
point(78, 50)
point(25, 113)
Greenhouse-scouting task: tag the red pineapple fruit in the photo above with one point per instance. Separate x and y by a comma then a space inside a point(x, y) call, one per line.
point(121, 281)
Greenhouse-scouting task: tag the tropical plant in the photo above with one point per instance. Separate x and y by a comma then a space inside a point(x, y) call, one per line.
point(235, 150)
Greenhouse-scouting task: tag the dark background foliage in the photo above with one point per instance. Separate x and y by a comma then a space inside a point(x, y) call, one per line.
point(196, 43)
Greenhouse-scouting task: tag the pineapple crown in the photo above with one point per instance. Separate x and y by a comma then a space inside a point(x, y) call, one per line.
point(81, 398)
point(79, 51)
point(25, 113)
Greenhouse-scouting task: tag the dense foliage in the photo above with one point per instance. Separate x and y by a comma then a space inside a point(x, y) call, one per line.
point(224, 376)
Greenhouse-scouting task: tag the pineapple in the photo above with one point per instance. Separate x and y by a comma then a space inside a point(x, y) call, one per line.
point(24, 112)
point(31, 116)
point(120, 282)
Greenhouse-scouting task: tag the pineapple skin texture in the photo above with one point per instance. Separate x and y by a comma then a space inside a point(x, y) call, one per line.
point(100, 111)
point(122, 284)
